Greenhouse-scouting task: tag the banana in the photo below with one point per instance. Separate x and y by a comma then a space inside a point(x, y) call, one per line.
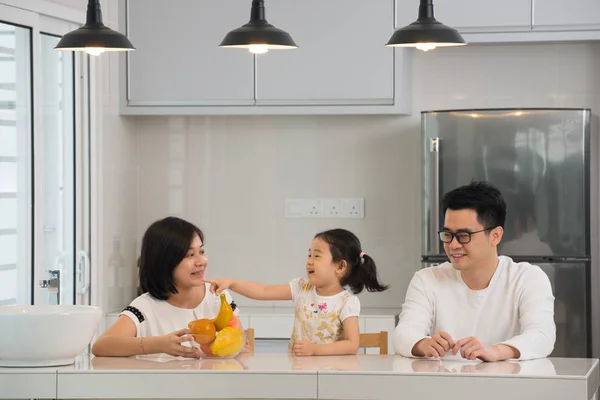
point(225, 314)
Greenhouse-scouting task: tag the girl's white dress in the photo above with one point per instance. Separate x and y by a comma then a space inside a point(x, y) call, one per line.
point(318, 319)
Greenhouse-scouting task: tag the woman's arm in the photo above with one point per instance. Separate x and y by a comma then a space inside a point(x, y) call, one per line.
point(120, 341)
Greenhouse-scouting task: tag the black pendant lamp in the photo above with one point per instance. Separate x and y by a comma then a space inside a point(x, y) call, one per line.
point(94, 37)
point(258, 35)
point(426, 33)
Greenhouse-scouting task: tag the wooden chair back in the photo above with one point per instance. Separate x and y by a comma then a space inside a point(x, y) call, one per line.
point(367, 340)
point(250, 338)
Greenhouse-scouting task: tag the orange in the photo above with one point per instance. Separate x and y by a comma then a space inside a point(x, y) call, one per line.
point(192, 323)
point(204, 331)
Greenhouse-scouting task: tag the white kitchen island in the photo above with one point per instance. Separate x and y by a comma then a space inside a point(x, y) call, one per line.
point(279, 376)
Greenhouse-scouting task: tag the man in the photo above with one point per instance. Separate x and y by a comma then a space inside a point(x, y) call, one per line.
point(479, 305)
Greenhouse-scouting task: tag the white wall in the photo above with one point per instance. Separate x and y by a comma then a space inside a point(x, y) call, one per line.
point(114, 198)
point(117, 180)
point(76, 4)
point(231, 175)
point(114, 176)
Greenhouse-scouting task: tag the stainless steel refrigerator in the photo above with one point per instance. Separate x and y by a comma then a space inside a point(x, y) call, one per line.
point(545, 162)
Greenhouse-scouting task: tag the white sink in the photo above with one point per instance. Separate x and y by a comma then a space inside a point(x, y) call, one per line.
point(42, 336)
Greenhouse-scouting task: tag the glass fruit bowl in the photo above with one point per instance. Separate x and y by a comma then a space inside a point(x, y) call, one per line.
point(227, 343)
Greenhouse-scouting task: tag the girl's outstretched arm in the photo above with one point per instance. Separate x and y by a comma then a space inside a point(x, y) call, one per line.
point(252, 290)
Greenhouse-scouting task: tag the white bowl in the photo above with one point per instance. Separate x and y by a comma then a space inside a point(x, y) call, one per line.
point(42, 336)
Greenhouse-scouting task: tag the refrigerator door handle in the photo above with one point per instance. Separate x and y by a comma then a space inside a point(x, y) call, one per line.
point(434, 194)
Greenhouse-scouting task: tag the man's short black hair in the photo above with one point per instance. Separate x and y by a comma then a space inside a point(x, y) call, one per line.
point(485, 199)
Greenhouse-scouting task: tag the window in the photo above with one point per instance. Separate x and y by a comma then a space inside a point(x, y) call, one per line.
point(42, 145)
point(57, 123)
point(15, 164)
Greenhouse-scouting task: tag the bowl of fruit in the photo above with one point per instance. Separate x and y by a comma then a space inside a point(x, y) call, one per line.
point(221, 337)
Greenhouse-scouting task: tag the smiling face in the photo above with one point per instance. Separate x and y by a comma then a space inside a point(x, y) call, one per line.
point(190, 271)
point(322, 271)
point(480, 251)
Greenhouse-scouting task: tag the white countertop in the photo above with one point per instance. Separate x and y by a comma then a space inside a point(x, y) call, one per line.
point(289, 310)
point(279, 376)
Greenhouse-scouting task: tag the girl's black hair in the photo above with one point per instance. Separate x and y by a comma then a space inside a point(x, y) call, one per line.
point(361, 272)
point(165, 243)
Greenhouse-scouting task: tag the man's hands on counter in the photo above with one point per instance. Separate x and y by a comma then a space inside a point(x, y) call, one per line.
point(470, 348)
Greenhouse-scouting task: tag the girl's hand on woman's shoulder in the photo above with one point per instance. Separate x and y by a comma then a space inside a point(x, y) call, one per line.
point(172, 344)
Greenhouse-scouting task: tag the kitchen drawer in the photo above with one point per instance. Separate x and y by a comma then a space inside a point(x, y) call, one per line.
point(26, 385)
point(271, 346)
point(272, 327)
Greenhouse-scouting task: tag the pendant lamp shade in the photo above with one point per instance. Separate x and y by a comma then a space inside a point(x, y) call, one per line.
point(258, 35)
point(94, 37)
point(426, 33)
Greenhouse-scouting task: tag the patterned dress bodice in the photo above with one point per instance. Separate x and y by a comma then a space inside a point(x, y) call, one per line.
point(318, 319)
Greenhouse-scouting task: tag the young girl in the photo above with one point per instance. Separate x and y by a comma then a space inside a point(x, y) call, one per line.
point(326, 316)
point(172, 267)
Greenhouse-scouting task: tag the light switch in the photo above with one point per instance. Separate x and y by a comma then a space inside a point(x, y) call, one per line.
point(294, 208)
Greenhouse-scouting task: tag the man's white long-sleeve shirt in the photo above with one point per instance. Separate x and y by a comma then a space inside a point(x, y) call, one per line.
point(516, 309)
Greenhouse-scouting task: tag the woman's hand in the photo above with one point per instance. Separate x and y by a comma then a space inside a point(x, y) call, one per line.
point(247, 349)
point(172, 344)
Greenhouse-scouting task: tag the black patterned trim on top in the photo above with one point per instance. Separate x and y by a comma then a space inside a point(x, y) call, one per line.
point(135, 312)
point(233, 305)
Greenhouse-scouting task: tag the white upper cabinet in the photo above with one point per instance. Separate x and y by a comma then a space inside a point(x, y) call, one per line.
point(566, 14)
point(178, 61)
point(341, 59)
point(342, 65)
point(469, 15)
point(505, 21)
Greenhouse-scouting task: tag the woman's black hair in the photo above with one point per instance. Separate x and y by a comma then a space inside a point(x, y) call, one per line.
point(361, 272)
point(165, 243)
